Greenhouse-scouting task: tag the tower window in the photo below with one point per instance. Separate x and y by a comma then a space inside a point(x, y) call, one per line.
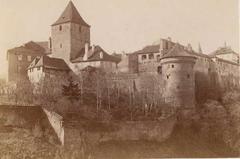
point(60, 28)
point(80, 29)
point(172, 66)
point(159, 69)
point(188, 76)
point(168, 76)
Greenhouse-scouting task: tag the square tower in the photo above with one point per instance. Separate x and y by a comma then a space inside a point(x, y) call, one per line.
point(69, 34)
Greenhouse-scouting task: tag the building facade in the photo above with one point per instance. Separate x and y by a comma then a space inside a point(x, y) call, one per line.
point(19, 58)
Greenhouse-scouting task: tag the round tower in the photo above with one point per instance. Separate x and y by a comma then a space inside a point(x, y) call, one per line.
point(178, 75)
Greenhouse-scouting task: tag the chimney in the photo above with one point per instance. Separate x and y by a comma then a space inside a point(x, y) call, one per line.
point(50, 43)
point(161, 47)
point(93, 47)
point(85, 57)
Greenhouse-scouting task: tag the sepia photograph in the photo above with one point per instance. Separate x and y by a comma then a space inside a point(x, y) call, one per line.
point(119, 79)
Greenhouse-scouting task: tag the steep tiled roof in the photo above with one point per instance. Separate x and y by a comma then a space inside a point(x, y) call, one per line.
point(31, 47)
point(155, 49)
point(223, 50)
point(44, 44)
point(149, 49)
point(48, 62)
point(178, 51)
point(70, 14)
point(95, 56)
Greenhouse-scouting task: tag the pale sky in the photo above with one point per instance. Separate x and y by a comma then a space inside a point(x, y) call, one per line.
point(124, 25)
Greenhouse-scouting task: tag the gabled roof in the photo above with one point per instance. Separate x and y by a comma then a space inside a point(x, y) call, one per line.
point(51, 63)
point(178, 51)
point(223, 50)
point(95, 56)
point(149, 49)
point(70, 14)
point(32, 47)
point(44, 44)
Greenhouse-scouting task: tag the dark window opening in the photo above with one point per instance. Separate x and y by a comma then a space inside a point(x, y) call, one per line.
point(150, 56)
point(60, 45)
point(168, 76)
point(80, 29)
point(188, 76)
point(144, 57)
point(172, 66)
point(159, 69)
point(60, 28)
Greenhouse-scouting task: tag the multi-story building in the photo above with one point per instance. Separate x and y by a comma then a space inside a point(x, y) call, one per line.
point(19, 58)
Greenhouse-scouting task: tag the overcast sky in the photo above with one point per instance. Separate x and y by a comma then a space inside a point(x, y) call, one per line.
point(124, 25)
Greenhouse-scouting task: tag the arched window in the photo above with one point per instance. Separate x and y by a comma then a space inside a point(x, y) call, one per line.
point(60, 28)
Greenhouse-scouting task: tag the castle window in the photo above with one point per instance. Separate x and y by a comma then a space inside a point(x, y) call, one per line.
point(150, 56)
point(158, 57)
point(144, 57)
point(19, 57)
point(60, 28)
point(168, 76)
point(80, 29)
point(60, 45)
point(29, 58)
point(172, 66)
point(159, 69)
point(188, 76)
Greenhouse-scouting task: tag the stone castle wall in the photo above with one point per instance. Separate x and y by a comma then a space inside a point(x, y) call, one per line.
point(120, 130)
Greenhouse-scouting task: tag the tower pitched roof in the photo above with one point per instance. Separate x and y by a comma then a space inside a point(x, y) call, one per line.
point(177, 51)
point(70, 14)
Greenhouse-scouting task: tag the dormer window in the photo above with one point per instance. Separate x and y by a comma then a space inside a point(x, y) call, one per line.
point(60, 28)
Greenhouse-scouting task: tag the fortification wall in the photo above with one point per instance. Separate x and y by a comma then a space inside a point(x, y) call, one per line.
point(56, 121)
point(130, 130)
point(21, 116)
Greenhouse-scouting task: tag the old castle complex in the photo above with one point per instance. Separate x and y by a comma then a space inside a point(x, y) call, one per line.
point(182, 70)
